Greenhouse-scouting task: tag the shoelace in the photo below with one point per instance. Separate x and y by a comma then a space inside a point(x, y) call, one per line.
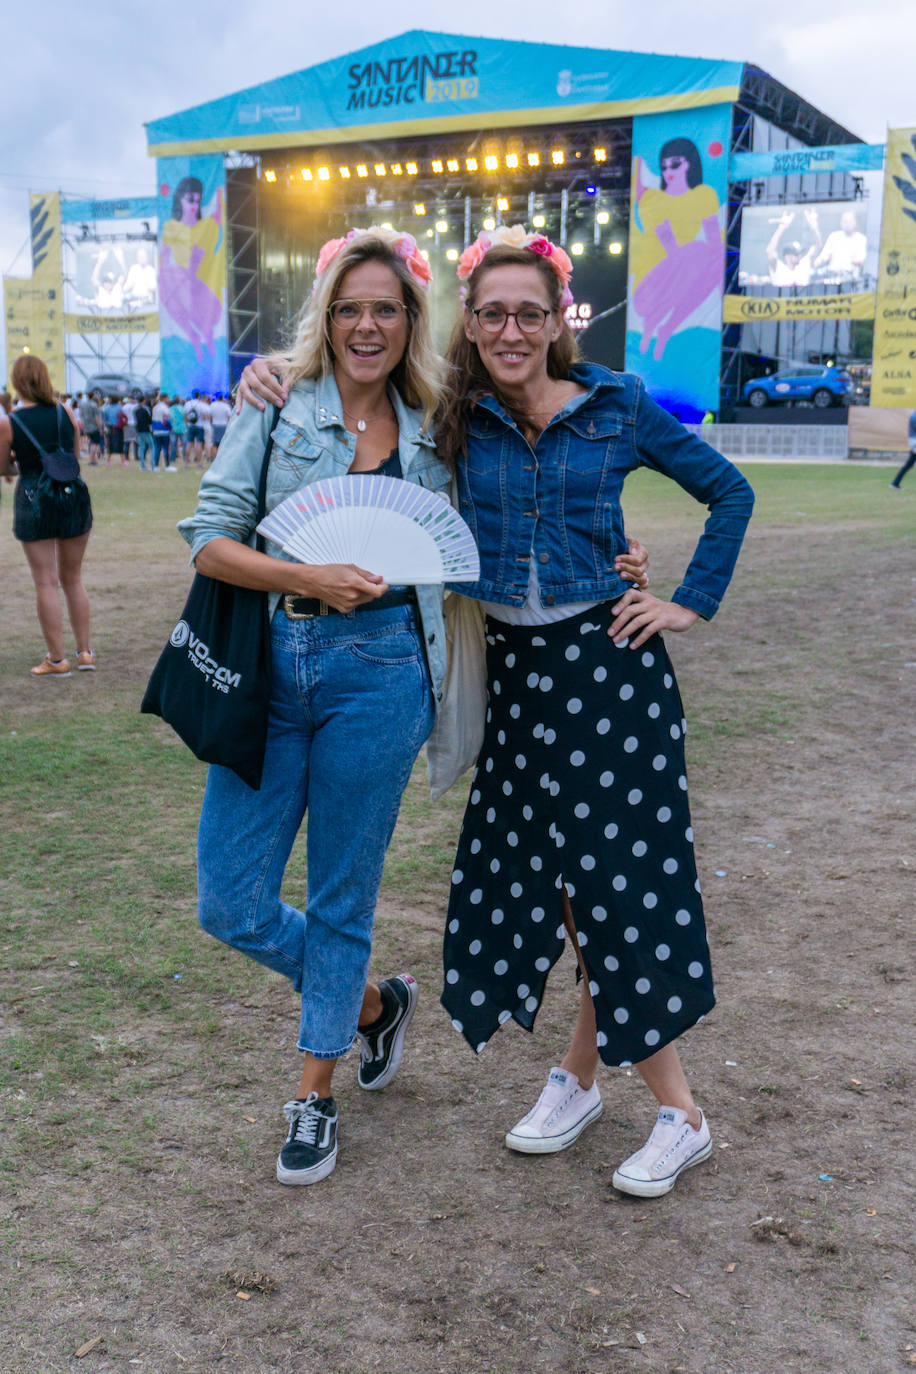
point(305, 1120)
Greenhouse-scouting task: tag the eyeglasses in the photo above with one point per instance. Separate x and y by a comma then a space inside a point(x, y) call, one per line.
point(671, 164)
point(529, 319)
point(386, 311)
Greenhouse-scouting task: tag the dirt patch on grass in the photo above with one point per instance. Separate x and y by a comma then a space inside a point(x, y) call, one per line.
point(145, 1067)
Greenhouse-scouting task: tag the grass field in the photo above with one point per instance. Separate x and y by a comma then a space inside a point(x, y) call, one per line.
point(143, 1066)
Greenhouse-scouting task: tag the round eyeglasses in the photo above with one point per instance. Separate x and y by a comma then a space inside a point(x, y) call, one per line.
point(386, 311)
point(529, 319)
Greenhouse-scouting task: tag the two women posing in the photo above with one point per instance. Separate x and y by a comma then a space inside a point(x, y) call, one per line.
point(577, 823)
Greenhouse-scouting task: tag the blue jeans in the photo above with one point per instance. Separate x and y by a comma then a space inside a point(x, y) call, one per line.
point(351, 707)
point(144, 447)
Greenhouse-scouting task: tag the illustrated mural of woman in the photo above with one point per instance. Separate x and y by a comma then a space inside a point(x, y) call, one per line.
point(190, 275)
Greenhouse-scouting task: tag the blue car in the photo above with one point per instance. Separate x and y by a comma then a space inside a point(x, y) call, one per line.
point(822, 386)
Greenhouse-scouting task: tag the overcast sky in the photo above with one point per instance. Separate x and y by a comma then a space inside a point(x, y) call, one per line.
point(79, 82)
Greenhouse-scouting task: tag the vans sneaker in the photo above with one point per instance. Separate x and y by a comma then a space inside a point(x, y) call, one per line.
point(559, 1116)
point(310, 1152)
point(672, 1147)
point(381, 1044)
point(48, 668)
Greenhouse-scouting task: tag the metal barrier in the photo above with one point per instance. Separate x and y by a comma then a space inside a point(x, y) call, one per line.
point(829, 443)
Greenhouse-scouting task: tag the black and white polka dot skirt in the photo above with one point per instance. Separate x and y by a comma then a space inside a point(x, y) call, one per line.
point(580, 784)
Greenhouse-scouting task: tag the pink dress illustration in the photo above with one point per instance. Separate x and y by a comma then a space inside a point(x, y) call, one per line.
point(190, 266)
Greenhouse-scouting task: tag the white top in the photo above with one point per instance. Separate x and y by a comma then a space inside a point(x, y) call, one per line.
point(221, 412)
point(533, 613)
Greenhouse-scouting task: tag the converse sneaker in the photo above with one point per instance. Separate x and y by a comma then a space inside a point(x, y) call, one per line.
point(381, 1044)
point(672, 1147)
point(48, 668)
point(559, 1116)
point(310, 1152)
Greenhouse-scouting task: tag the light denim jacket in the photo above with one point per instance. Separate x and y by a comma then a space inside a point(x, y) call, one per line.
point(310, 442)
point(560, 502)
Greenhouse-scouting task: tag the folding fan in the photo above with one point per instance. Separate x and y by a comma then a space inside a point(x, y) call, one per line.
point(401, 531)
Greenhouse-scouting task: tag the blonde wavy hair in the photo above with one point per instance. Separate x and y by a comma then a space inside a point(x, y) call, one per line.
point(420, 374)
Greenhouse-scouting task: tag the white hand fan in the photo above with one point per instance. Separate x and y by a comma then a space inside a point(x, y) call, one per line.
point(398, 530)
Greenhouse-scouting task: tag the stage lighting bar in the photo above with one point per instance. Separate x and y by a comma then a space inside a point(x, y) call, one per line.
point(601, 154)
point(452, 164)
point(491, 163)
point(437, 166)
point(345, 173)
point(380, 169)
point(270, 175)
point(512, 160)
point(557, 157)
point(411, 169)
point(307, 174)
point(502, 204)
point(534, 159)
point(362, 170)
point(324, 174)
point(419, 208)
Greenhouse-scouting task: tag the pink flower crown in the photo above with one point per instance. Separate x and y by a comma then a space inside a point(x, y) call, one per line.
point(404, 245)
point(515, 236)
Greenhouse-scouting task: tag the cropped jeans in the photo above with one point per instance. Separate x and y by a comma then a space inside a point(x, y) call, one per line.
point(350, 710)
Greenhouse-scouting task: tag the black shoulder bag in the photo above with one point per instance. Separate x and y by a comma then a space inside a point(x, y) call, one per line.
point(212, 682)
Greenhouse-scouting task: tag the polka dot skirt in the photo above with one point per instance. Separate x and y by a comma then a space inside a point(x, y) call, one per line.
point(580, 784)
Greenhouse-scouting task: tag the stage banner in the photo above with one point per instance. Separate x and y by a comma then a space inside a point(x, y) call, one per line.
point(131, 207)
point(894, 368)
point(112, 324)
point(193, 320)
point(853, 305)
point(678, 194)
point(47, 276)
point(788, 162)
point(22, 300)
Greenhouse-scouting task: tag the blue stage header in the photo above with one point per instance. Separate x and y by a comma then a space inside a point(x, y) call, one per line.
point(133, 207)
point(843, 157)
point(434, 83)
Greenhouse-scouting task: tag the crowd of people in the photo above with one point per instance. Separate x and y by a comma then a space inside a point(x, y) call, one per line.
point(158, 431)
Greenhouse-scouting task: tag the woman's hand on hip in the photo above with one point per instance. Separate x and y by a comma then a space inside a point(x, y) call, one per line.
point(639, 615)
point(261, 382)
point(634, 564)
point(342, 585)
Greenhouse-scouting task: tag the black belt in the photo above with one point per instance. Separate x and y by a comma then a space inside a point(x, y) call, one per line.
point(308, 607)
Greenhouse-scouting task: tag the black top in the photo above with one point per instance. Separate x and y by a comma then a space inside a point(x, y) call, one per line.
point(41, 421)
point(143, 418)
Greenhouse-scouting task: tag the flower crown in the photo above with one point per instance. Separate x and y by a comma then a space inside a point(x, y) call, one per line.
point(404, 245)
point(514, 236)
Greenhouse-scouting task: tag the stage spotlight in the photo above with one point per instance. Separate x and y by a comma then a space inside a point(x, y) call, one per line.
point(324, 174)
point(471, 164)
point(489, 222)
point(601, 154)
point(380, 169)
point(502, 204)
point(512, 160)
point(603, 217)
point(306, 174)
point(539, 221)
point(424, 254)
point(412, 169)
point(452, 254)
point(345, 173)
point(577, 249)
point(362, 170)
point(419, 208)
point(557, 157)
point(534, 159)
point(387, 224)
point(615, 248)
point(430, 233)
point(452, 164)
point(491, 163)
point(591, 190)
point(270, 176)
point(396, 169)
point(441, 226)
point(437, 166)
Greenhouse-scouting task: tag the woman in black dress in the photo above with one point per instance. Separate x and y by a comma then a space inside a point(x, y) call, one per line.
point(51, 519)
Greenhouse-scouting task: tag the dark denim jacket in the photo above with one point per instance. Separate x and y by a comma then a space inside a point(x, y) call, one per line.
point(560, 503)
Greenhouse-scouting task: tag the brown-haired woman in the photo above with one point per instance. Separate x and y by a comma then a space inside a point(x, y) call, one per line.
point(51, 519)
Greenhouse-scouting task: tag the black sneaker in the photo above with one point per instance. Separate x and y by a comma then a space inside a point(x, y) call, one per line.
point(310, 1152)
point(381, 1045)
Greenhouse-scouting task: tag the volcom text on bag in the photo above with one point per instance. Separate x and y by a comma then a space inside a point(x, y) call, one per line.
point(222, 678)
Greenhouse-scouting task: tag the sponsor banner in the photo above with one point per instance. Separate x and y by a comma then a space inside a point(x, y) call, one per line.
point(431, 82)
point(47, 275)
point(193, 320)
point(132, 207)
point(893, 381)
point(813, 243)
point(678, 194)
point(853, 305)
point(788, 162)
point(111, 324)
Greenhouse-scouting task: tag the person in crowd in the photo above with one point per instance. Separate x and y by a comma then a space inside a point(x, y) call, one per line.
point(52, 520)
point(6, 402)
point(129, 406)
point(114, 419)
point(194, 409)
point(220, 415)
point(911, 436)
point(178, 437)
point(143, 421)
point(90, 419)
point(205, 414)
point(162, 434)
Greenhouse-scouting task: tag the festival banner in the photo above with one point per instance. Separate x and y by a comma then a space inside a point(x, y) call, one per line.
point(678, 196)
point(852, 305)
point(112, 324)
point(788, 162)
point(47, 277)
point(894, 367)
point(130, 207)
point(193, 319)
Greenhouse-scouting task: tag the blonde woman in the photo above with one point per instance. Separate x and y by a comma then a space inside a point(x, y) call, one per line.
point(357, 669)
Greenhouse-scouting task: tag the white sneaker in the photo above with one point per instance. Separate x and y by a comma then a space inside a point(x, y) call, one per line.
point(171, 469)
point(672, 1147)
point(559, 1116)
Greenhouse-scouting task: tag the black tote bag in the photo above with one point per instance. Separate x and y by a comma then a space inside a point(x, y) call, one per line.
point(212, 682)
